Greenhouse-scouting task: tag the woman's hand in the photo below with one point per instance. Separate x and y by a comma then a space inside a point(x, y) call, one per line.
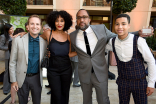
point(48, 53)
point(72, 54)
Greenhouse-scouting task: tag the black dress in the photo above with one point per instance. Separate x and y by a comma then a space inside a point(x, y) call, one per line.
point(59, 71)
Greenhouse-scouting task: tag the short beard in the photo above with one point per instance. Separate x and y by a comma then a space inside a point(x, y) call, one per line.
point(83, 28)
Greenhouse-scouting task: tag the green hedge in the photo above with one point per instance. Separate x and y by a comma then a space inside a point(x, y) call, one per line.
point(151, 41)
point(13, 7)
point(123, 6)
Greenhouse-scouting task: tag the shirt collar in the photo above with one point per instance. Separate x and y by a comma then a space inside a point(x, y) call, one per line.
point(88, 30)
point(125, 38)
point(33, 39)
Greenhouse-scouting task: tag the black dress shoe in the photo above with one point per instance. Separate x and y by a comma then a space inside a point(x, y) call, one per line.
point(5, 93)
point(49, 92)
point(48, 86)
point(76, 85)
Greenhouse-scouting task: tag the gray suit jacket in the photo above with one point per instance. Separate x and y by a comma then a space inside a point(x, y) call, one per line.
point(97, 59)
point(4, 46)
point(19, 59)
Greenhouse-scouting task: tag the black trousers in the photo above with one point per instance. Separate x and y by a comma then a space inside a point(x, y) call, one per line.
point(30, 84)
point(60, 85)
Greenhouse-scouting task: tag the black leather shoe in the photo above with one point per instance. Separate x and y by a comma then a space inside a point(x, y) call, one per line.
point(5, 93)
point(49, 92)
point(47, 86)
point(76, 85)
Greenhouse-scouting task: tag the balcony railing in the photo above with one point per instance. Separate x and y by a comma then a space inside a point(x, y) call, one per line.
point(39, 2)
point(96, 3)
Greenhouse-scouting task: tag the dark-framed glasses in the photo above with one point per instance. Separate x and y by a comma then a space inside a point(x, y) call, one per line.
point(83, 17)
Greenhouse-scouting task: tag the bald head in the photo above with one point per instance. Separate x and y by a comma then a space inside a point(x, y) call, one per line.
point(84, 10)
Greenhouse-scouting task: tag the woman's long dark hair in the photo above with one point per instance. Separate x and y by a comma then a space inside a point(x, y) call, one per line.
point(6, 31)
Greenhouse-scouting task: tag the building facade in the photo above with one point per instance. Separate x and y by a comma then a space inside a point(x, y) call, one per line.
point(99, 11)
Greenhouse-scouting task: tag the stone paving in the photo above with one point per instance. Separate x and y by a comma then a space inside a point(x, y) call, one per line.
point(76, 93)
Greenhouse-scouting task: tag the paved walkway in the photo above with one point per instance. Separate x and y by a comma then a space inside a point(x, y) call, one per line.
point(76, 93)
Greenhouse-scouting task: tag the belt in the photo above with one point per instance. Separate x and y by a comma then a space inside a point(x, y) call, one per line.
point(138, 79)
point(31, 74)
point(134, 79)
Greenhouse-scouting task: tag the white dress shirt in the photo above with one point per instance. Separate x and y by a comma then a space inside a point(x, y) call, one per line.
point(124, 51)
point(92, 39)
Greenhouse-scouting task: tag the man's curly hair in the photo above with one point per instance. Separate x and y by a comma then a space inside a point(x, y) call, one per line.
point(52, 16)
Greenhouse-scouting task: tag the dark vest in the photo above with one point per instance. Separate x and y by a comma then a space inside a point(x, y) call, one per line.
point(133, 69)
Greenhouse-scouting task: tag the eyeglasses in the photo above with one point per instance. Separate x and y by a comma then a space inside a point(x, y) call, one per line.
point(84, 17)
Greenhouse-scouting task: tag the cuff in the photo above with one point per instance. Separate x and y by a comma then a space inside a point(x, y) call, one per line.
point(151, 85)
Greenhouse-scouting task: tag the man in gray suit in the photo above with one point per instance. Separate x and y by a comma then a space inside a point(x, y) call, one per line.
point(26, 55)
point(89, 42)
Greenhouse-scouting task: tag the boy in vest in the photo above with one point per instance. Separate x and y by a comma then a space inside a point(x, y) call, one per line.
point(130, 52)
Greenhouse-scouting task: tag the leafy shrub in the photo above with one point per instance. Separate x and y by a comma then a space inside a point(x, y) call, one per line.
point(123, 6)
point(13, 7)
point(151, 41)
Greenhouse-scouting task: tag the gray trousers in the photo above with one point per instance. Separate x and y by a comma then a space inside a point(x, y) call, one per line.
point(6, 83)
point(75, 71)
point(30, 84)
point(100, 88)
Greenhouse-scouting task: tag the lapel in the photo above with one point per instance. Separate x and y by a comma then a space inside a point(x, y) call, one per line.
point(25, 45)
point(41, 47)
point(73, 39)
point(98, 35)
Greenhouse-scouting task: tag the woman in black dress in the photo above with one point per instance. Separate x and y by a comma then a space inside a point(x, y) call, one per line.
point(59, 71)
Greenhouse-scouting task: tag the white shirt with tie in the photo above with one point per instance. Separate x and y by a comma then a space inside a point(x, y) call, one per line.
point(92, 39)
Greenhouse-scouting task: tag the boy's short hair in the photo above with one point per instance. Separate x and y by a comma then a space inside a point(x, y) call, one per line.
point(123, 15)
point(34, 16)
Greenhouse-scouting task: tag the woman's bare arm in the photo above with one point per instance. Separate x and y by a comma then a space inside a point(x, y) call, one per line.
point(45, 35)
point(71, 54)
